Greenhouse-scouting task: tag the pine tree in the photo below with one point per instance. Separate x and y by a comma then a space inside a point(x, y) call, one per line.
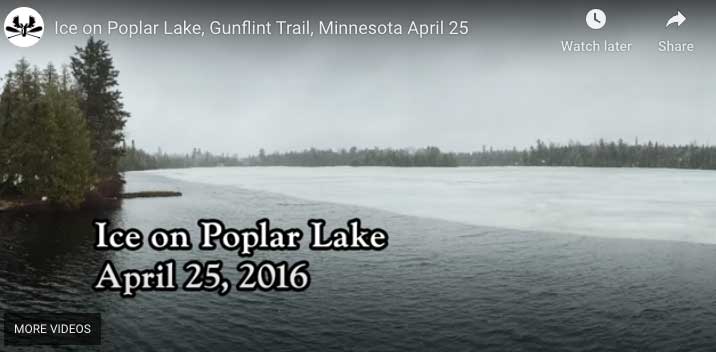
point(70, 169)
point(101, 103)
point(44, 143)
point(19, 111)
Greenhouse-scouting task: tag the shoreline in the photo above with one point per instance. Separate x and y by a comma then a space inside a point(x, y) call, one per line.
point(428, 167)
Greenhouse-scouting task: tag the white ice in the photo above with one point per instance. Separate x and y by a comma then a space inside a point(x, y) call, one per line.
point(659, 204)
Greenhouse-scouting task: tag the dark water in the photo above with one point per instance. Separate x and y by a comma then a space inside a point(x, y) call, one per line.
point(439, 286)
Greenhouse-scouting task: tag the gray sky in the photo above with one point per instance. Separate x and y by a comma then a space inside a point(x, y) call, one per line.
point(506, 84)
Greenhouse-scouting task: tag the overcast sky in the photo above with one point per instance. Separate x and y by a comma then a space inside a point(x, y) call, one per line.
point(506, 84)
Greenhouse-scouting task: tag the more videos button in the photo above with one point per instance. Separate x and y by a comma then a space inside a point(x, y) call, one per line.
point(24, 329)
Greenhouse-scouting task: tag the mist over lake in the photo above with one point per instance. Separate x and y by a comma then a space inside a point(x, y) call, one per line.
point(662, 204)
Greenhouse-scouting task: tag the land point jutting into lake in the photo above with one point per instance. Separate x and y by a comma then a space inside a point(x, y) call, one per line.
point(61, 131)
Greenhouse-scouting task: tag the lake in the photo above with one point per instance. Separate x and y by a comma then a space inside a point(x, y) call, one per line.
point(488, 259)
point(663, 204)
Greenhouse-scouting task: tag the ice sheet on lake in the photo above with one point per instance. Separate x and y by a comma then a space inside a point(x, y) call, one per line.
point(626, 203)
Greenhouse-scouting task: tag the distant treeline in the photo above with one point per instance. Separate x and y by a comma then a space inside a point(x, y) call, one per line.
point(599, 154)
point(429, 156)
point(137, 159)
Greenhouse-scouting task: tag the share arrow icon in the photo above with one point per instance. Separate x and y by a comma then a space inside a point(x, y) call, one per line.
point(679, 18)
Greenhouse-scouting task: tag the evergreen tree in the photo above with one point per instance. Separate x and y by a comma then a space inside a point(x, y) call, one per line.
point(70, 169)
point(101, 103)
point(18, 110)
point(44, 143)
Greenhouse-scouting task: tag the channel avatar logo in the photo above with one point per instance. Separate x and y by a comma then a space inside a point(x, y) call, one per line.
point(24, 27)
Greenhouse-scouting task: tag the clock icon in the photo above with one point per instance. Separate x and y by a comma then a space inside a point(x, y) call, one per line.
point(596, 19)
